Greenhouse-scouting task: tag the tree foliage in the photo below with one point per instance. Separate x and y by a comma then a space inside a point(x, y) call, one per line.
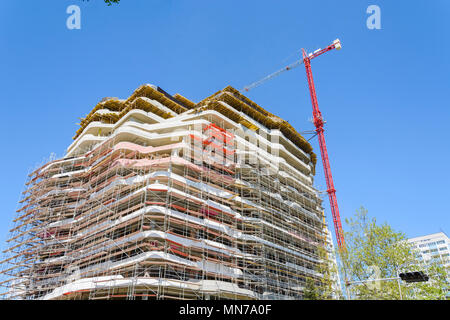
point(436, 288)
point(325, 286)
point(311, 291)
point(376, 251)
point(329, 273)
point(109, 2)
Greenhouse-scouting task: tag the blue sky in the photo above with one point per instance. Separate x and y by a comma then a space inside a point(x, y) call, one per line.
point(385, 95)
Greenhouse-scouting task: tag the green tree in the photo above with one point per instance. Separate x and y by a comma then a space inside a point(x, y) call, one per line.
point(375, 251)
point(311, 291)
point(109, 2)
point(329, 273)
point(323, 287)
point(434, 289)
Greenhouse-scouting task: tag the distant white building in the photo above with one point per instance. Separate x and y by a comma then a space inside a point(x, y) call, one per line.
point(433, 247)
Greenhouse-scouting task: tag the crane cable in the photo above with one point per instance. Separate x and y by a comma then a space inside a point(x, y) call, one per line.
point(274, 74)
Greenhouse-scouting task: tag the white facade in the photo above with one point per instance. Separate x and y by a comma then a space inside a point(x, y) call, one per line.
point(432, 247)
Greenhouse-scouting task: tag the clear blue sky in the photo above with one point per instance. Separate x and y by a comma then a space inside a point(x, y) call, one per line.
point(385, 95)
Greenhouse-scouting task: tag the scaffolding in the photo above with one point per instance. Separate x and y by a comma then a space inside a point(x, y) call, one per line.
point(144, 213)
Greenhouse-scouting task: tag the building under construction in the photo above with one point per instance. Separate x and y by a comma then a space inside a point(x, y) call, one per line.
point(159, 197)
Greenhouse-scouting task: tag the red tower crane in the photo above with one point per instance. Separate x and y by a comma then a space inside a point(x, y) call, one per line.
point(318, 123)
